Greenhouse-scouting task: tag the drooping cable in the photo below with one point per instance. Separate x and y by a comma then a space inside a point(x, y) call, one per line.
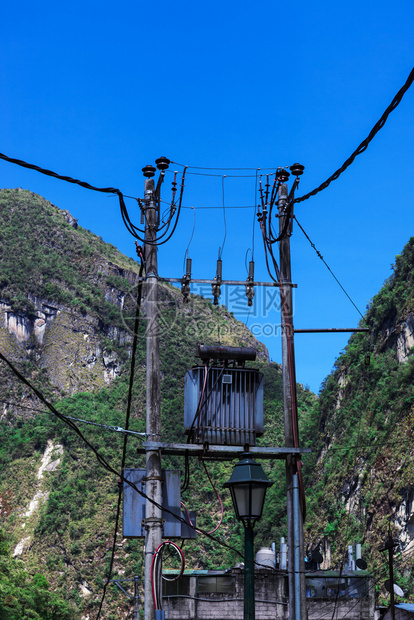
point(68, 179)
point(365, 143)
point(286, 319)
point(156, 570)
point(191, 237)
point(328, 268)
point(127, 420)
point(158, 241)
point(102, 460)
point(134, 230)
point(115, 429)
point(218, 497)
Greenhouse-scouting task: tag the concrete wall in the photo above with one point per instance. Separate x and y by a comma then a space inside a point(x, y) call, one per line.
point(271, 593)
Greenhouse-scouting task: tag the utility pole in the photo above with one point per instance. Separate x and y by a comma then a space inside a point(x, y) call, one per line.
point(153, 479)
point(136, 598)
point(390, 544)
point(296, 576)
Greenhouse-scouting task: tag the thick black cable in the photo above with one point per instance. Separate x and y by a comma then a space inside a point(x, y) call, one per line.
point(55, 175)
point(127, 419)
point(102, 461)
point(157, 242)
point(289, 329)
point(328, 268)
point(364, 144)
point(135, 231)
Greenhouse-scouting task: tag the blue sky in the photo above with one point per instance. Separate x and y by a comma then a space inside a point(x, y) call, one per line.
point(98, 90)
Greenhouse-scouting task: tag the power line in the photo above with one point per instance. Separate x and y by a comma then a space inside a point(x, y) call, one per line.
point(232, 176)
point(103, 462)
point(50, 173)
point(127, 419)
point(329, 269)
point(365, 143)
point(207, 168)
point(135, 231)
point(227, 207)
point(116, 429)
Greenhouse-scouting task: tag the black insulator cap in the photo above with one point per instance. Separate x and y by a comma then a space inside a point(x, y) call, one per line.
point(282, 175)
point(148, 171)
point(162, 163)
point(297, 169)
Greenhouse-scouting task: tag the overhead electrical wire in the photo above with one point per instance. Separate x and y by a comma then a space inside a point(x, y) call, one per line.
point(360, 149)
point(329, 269)
point(218, 497)
point(365, 143)
point(207, 168)
point(134, 230)
point(116, 429)
point(127, 420)
point(103, 462)
point(156, 570)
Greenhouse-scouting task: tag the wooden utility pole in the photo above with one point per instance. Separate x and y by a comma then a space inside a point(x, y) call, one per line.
point(153, 514)
point(296, 575)
point(390, 544)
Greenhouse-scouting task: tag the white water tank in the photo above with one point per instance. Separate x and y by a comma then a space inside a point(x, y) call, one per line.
point(265, 558)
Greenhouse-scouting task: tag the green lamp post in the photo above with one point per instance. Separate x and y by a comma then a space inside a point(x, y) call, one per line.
point(248, 485)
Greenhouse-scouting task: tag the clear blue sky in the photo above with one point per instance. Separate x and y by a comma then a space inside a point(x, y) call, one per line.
point(96, 90)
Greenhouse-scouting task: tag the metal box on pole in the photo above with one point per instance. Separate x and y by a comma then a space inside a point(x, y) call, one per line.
point(223, 405)
point(134, 506)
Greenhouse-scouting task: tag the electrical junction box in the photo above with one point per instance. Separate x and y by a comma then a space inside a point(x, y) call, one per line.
point(223, 405)
point(134, 506)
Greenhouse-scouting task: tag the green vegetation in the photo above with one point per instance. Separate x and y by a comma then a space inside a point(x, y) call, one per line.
point(71, 532)
point(361, 433)
point(43, 256)
point(27, 597)
point(360, 428)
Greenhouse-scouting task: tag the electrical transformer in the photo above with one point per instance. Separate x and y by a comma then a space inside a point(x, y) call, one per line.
point(223, 405)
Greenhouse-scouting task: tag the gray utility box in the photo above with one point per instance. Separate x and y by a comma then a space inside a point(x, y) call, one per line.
point(229, 410)
point(134, 506)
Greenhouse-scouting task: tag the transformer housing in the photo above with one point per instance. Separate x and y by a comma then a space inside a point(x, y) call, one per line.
point(223, 405)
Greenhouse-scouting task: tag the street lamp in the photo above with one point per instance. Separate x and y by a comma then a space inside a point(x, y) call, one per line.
point(248, 484)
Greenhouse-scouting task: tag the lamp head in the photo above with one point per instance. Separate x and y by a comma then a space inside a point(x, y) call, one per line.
point(248, 485)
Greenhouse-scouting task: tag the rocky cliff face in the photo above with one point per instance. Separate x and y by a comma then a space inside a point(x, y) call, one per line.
point(67, 304)
point(62, 296)
point(363, 481)
point(67, 345)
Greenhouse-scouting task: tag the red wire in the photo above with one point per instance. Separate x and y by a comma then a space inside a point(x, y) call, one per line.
point(219, 499)
point(181, 554)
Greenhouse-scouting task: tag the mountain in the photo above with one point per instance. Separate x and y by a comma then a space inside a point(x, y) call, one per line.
point(67, 304)
point(361, 474)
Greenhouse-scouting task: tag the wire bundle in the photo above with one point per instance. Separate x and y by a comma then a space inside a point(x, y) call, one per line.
point(172, 213)
point(268, 199)
point(156, 570)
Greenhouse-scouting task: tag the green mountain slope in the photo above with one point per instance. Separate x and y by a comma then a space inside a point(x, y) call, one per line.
point(67, 302)
point(361, 477)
